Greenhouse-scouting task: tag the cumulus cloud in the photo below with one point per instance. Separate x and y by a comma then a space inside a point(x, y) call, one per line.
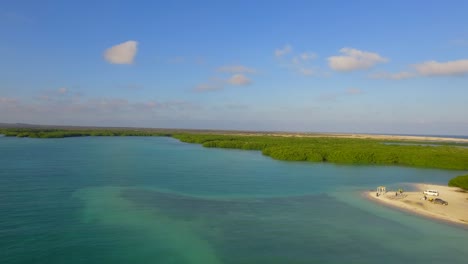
point(393, 76)
point(236, 69)
point(353, 59)
point(283, 51)
point(301, 64)
point(235, 75)
point(428, 68)
point(239, 79)
point(216, 84)
point(123, 53)
point(434, 68)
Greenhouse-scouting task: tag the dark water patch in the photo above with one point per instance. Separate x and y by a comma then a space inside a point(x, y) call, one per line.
point(294, 229)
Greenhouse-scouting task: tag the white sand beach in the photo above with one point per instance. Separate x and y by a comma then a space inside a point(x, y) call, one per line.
point(456, 210)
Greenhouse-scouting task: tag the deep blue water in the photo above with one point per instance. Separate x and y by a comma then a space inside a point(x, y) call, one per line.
point(157, 200)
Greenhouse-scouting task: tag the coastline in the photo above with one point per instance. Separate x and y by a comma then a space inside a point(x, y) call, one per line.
point(447, 139)
point(376, 136)
point(413, 202)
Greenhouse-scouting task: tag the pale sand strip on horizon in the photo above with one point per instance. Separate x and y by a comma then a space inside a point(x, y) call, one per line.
point(359, 136)
point(456, 211)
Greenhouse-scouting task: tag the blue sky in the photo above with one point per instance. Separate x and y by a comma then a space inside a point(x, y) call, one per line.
point(330, 66)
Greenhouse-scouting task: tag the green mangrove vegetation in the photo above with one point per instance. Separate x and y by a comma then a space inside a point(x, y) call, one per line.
point(62, 133)
point(459, 181)
point(339, 150)
point(313, 149)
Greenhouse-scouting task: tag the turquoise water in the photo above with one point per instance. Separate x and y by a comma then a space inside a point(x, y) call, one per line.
point(157, 200)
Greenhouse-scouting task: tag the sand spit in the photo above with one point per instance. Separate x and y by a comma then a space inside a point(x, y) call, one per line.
point(456, 210)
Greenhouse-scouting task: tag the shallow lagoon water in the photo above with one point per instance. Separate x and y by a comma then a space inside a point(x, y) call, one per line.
point(157, 200)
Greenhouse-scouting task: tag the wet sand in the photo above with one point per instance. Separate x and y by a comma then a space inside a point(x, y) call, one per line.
point(456, 210)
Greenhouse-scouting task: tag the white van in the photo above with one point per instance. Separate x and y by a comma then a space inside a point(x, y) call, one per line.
point(431, 192)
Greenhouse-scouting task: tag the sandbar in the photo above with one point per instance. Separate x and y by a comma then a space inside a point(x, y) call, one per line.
point(456, 211)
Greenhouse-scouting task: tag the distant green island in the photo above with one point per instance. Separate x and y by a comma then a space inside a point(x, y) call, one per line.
point(367, 151)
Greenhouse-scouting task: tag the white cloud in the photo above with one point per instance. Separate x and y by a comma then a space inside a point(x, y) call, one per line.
point(302, 65)
point(123, 53)
point(353, 59)
point(429, 68)
point(239, 79)
point(283, 51)
point(236, 69)
point(300, 62)
point(434, 68)
point(393, 76)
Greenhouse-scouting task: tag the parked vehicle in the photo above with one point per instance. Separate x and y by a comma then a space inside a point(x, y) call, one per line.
point(440, 201)
point(431, 192)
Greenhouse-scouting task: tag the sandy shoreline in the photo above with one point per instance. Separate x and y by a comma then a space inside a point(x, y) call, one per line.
point(359, 136)
point(456, 211)
point(406, 138)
